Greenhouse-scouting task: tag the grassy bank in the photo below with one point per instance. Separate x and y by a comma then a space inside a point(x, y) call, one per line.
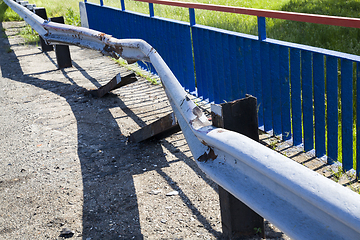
point(329, 37)
point(68, 8)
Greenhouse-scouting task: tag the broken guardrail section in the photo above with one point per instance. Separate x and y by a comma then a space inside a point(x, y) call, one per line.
point(301, 202)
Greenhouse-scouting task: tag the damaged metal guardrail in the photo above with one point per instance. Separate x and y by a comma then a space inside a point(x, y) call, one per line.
point(302, 203)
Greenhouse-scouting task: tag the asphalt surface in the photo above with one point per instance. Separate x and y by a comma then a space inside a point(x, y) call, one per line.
point(66, 167)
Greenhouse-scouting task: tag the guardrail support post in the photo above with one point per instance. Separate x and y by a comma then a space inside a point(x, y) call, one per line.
point(41, 12)
point(238, 220)
point(62, 51)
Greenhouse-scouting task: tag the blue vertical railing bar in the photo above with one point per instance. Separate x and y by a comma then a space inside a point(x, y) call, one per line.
point(225, 70)
point(241, 87)
point(171, 52)
point(256, 61)
point(208, 75)
point(249, 76)
point(319, 104)
point(199, 35)
point(275, 88)
point(192, 16)
point(182, 71)
point(347, 113)
point(197, 60)
point(357, 119)
point(285, 92)
point(122, 5)
point(332, 108)
point(261, 28)
point(167, 37)
point(266, 86)
point(307, 99)
point(189, 76)
point(213, 69)
point(262, 74)
point(151, 10)
point(295, 95)
point(233, 82)
point(192, 21)
point(219, 82)
point(101, 3)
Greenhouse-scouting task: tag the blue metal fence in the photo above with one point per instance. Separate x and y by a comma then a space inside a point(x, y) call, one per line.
point(296, 86)
point(163, 34)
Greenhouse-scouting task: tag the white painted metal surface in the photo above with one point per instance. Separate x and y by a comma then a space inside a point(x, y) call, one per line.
point(302, 203)
point(83, 15)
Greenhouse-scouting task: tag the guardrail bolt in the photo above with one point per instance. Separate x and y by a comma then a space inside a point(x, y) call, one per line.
point(238, 220)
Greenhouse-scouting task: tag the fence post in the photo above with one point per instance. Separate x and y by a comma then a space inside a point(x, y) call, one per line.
point(261, 28)
point(238, 220)
point(122, 5)
point(41, 12)
point(62, 51)
point(151, 10)
point(192, 16)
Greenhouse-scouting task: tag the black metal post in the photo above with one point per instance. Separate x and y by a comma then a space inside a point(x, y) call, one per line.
point(238, 220)
point(41, 12)
point(62, 51)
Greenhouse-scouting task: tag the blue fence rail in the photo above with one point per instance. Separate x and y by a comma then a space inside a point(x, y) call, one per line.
point(297, 86)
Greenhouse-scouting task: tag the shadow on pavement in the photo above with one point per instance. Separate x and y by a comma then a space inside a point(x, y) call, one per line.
point(108, 161)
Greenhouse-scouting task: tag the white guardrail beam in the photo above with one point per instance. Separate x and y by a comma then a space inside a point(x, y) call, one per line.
point(301, 202)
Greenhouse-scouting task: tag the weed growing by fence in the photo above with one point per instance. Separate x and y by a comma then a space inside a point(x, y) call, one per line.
point(142, 73)
point(72, 18)
point(6, 14)
point(29, 35)
point(53, 8)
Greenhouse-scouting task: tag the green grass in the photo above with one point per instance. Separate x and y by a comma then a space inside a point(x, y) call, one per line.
point(30, 36)
point(54, 8)
point(329, 37)
point(6, 14)
point(68, 9)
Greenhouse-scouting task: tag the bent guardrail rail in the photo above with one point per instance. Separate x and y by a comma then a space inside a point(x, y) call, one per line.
point(302, 203)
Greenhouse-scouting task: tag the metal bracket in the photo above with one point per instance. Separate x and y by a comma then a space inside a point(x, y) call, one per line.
point(120, 80)
point(164, 126)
